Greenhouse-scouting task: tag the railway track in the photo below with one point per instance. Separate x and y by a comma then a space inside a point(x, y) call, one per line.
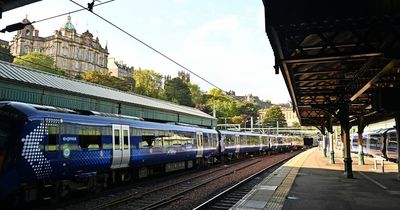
point(180, 191)
point(229, 197)
point(160, 196)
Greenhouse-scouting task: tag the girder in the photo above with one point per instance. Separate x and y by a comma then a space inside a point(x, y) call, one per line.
point(335, 53)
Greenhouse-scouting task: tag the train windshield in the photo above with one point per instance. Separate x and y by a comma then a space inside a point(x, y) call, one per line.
point(8, 146)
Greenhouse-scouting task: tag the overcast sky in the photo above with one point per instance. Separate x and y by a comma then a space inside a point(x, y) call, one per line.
point(223, 41)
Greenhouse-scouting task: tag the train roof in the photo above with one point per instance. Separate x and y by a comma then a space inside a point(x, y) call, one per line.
point(239, 133)
point(93, 118)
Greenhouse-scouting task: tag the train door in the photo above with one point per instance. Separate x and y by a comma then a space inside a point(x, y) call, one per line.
point(199, 143)
point(237, 143)
point(121, 146)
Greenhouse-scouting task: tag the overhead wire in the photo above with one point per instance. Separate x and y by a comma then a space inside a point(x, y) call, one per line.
point(71, 12)
point(147, 45)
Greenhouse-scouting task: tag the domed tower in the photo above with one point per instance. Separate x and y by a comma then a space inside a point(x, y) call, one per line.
point(68, 29)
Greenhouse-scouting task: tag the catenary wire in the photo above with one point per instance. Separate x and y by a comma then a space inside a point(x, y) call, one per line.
point(67, 13)
point(147, 45)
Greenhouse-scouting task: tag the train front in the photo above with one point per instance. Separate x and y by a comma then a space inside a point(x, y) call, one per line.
point(11, 126)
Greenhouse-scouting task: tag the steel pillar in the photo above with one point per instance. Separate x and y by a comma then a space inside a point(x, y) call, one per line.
point(345, 125)
point(397, 119)
point(361, 126)
point(332, 153)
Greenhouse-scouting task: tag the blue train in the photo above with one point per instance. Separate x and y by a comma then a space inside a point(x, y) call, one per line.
point(48, 151)
point(381, 142)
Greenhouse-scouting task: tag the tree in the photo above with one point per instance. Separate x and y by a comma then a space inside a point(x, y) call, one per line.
point(296, 125)
point(40, 62)
point(148, 83)
point(237, 120)
point(249, 109)
point(225, 106)
point(105, 78)
point(273, 115)
point(178, 90)
point(197, 95)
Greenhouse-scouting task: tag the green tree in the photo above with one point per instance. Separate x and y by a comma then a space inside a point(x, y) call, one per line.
point(40, 62)
point(105, 78)
point(249, 109)
point(225, 105)
point(148, 83)
point(197, 95)
point(178, 90)
point(296, 125)
point(237, 120)
point(274, 114)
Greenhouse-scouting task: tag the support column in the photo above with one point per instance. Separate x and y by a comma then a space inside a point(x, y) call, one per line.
point(323, 132)
point(344, 123)
point(332, 153)
point(360, 131)
point(397, 119)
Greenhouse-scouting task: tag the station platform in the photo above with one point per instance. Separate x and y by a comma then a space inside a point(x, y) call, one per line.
point(309, 181)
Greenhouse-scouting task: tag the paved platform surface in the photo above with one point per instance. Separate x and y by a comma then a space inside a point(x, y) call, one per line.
point(309, 181)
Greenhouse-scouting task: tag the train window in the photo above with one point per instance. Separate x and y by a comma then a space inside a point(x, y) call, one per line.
point(116, 139)
point(52, 138)
point(89, 139)
point(148, 138)
point(206, 142)
point(126, 139)
point(178, 138)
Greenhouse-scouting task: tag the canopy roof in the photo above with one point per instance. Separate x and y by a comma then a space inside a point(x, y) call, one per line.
point(337, 54)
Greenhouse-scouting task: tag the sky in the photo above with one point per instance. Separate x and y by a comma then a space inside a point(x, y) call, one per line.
point(223, 41)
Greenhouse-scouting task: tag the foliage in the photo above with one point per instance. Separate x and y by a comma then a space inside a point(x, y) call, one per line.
point(148, 83)
point(195, 92)
point(273, 115)
point(237, 120)
point(176, 90)
point(226, 106)
point(249, 110)
point(296, 125)
point(40, 62)
point(105, 78)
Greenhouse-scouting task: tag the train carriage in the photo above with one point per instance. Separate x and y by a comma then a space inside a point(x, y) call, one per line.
point(47, 151)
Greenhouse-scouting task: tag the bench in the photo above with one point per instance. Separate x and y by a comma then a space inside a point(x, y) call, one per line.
point(382, 160)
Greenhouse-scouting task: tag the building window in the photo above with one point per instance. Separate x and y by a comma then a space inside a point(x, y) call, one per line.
point(85, 66)
point(76, 53)
point(64, 51)
point(101, 60)
point(77, 64)
point(64, 62)
point(94, 58)
point(86, 55)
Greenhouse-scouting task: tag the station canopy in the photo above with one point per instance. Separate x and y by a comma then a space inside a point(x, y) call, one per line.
point(337, 54)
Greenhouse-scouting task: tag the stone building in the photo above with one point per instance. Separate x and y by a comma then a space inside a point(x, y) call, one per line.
point(119, 69)
point(184, 76)
point(290, 116)
point(73, 52)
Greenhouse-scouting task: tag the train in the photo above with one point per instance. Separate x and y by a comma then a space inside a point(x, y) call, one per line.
point(48, 152)
point(381, 142)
